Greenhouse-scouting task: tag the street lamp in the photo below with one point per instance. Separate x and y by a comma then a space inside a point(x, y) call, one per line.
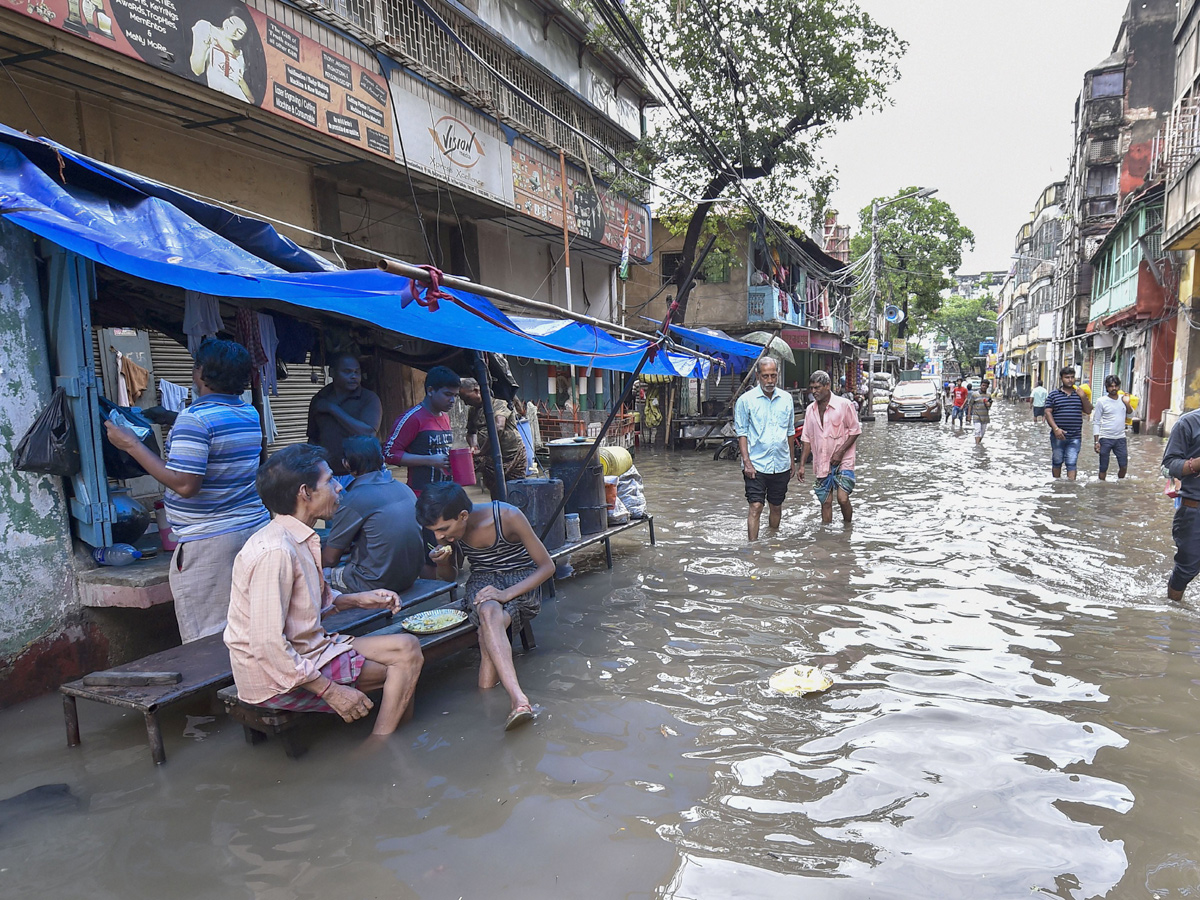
point(876, 265)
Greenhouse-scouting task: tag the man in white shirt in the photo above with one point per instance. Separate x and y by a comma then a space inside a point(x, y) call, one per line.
point(1038, 396)
point(1108, 418)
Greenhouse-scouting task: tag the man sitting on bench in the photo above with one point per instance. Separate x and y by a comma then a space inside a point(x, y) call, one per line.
point(282, 657)
point(376, 523)
point(509, 565)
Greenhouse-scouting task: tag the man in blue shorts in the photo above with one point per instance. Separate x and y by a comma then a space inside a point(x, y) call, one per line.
point(1065, 408)
point(959, 395)
point(765, 422)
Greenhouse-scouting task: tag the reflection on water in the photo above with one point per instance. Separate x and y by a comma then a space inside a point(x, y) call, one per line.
point(1013, 715)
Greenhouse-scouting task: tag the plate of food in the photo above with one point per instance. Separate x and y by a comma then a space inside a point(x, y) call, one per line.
point(433, 620)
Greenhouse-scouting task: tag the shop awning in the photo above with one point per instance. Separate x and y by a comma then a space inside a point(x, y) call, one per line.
point(738, 354)
point(146, 229)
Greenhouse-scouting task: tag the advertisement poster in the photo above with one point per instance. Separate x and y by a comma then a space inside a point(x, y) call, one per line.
point(241, 52)
point(460, 148)
point(537, 184)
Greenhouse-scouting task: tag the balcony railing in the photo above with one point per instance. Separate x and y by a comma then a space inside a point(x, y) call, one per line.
point(767, 303)
point(1177, 143)
point(407, 33)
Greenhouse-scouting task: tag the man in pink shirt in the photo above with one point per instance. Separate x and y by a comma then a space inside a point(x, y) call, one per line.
point(831, 429)
point(281, 654)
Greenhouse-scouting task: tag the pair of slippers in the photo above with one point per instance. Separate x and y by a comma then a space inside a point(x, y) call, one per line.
point(522, 715)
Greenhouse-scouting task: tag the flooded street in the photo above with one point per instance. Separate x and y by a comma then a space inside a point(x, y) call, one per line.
point(1013, 715)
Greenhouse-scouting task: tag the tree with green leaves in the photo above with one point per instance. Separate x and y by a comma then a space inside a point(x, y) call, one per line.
point(766, 80)
point(965, 323)
point(921, 243)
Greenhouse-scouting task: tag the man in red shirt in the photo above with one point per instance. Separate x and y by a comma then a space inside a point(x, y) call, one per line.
point(421, 438)
point(960, 394)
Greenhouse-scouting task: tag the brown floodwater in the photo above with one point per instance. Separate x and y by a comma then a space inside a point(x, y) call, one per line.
point(1014, 715)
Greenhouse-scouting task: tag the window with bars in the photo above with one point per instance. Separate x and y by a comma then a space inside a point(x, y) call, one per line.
point(1101, 181)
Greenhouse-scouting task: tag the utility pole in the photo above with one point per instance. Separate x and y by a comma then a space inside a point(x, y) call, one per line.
point(876, 271)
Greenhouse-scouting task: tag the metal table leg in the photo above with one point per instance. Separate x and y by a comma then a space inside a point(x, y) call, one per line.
point(154, 733)
point(650, 525)
point(608, 552)
point(71, 716)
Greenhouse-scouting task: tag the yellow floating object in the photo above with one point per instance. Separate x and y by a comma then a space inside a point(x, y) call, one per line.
point(800, 680)
point(616, 460)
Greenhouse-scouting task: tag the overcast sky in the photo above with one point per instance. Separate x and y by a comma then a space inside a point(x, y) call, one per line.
point(982, 111)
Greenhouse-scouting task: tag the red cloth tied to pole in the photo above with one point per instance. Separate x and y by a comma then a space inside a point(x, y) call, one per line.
point(426, 297)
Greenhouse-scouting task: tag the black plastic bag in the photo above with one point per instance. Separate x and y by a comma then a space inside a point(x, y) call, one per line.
point(50, 446)
point(117, 463)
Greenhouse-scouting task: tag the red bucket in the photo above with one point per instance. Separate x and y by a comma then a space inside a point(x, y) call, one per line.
point(462, 466)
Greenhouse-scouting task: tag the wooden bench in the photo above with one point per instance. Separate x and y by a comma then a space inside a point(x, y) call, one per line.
point(260, 721)
point(203, 666)
point(604, 537)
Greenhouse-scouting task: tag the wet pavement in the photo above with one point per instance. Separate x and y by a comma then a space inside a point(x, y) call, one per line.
point(1014, 715)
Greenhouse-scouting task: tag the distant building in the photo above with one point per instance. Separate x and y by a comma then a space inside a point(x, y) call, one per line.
point(979, 285)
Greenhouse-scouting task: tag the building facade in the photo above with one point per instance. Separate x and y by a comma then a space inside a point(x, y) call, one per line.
point(754, 281)
point(1118, 117)
point(1177, 162)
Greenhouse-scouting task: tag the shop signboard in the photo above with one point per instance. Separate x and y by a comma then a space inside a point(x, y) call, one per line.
point(796, 338)
point(455, 145)
point(597, 214)
point(241, 52)
point(830, 343)
point(872, 345)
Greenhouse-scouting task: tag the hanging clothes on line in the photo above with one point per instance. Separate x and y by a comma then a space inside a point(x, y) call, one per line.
point(132, 379)
point(270, 343)
point(174, 396)
point(201, 318)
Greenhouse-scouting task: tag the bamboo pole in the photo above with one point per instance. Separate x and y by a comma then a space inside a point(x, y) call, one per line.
point(485, 392)
point(665, 330)
point(461, 284)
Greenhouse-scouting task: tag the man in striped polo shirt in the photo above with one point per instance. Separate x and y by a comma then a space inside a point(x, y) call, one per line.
point(212, 457)
point(1065, 408)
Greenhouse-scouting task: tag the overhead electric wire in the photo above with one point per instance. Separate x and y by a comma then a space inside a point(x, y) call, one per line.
point(538, 105)
point(624, 28)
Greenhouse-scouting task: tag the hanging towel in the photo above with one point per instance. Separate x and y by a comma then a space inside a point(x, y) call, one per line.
point(270, 343)
point(269, 420)
point(174, 396)
point(201, 318)
point(136, 379)
point(122, 388)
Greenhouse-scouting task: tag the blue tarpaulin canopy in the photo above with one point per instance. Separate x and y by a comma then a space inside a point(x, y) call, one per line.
point(738, 355)
point(148, 230)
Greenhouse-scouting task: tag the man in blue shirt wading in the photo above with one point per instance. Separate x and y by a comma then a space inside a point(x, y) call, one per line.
point(765, 422)
point(212, 457)
point(1065, 409)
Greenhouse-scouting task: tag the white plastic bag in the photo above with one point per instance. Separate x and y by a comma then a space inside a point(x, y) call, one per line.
point(631, 493)
point(618, 515)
